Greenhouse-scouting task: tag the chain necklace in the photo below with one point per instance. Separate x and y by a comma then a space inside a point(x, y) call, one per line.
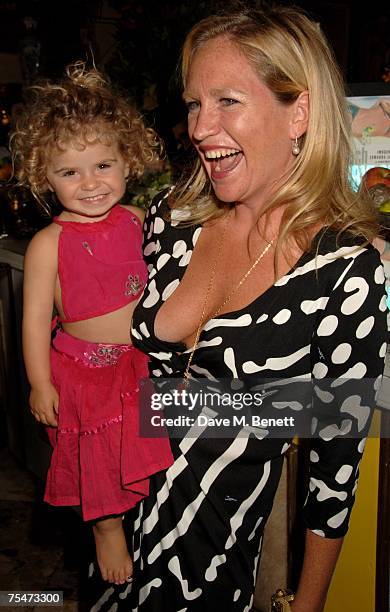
point(186, 375)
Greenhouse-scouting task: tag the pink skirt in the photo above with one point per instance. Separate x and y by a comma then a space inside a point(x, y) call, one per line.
point(99, 461)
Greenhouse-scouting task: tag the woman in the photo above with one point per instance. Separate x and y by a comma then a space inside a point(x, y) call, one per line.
point(260, 264)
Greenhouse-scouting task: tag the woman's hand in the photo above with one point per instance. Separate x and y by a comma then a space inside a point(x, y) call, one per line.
point(44, 403)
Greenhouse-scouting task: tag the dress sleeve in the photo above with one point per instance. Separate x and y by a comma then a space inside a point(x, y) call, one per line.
point(348, 351)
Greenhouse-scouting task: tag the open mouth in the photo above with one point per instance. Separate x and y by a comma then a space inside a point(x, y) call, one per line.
point(93, 199)
point(223, 161)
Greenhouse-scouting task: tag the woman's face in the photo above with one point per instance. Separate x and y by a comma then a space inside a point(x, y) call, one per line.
point(243, 135)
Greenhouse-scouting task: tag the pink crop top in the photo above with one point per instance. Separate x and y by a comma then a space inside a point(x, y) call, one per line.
point(100, 265)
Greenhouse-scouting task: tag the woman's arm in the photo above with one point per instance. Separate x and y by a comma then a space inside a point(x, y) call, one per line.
point(40, 271)
point(320, 559)
point(348, 356)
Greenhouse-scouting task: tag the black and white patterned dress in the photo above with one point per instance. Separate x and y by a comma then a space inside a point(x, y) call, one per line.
point(198, 534)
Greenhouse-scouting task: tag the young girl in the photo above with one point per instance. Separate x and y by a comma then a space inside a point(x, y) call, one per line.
point(80, 142)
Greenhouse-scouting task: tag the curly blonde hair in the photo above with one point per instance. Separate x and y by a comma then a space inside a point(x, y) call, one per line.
point(290, 55)
point(85, 108)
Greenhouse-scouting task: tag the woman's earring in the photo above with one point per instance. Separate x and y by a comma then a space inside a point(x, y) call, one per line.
point(296, 149)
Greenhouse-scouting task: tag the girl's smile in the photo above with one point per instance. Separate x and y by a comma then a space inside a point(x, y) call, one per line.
point(88, 181)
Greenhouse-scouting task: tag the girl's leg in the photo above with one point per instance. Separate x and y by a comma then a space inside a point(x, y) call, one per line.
point(111, 550)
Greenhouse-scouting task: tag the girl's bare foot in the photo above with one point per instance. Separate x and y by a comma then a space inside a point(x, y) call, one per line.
point(111, 550)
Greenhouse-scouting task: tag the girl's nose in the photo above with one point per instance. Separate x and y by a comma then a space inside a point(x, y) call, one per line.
point(89, 182)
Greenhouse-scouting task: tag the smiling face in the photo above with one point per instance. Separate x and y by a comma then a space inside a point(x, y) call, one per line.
point(88, 180)
point(242, 133)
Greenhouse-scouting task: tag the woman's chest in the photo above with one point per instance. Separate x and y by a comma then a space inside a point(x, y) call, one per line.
point(275, 318)
point(195, 285)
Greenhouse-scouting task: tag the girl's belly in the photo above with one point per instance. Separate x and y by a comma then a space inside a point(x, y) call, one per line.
point(110, 328)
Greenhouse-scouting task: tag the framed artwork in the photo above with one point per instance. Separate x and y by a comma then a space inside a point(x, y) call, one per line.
point(370, 117)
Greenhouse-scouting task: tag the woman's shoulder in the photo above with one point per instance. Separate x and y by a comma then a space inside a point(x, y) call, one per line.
point(164, 214)
point(330, 241)
point(344, 255)
point(159, 206)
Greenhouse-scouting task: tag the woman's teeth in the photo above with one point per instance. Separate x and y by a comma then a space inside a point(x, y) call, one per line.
point(217, 154)
point(223, 161)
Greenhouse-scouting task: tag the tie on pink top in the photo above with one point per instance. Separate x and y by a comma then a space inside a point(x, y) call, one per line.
point(100, 265)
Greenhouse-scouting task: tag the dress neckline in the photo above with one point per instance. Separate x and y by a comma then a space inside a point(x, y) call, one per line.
point(92, 226)
point(182, 348)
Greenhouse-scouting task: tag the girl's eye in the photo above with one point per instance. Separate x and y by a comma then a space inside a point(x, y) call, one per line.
point(69, 173)
point(103, 166)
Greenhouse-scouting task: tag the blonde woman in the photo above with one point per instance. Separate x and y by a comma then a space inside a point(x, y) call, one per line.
point(260, 266)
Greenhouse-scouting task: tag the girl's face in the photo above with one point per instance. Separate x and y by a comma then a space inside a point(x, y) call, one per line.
point(242, 133)
point(87, 180)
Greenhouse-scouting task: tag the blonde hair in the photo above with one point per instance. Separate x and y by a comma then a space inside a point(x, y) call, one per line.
point(290, 55)
point(84, 108)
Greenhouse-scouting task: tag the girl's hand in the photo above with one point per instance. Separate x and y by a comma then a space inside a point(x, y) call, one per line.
point(44, 404)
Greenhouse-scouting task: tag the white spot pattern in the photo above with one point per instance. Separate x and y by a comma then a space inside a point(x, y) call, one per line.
point(365, 327)
point(174, 567)
point(262, 318)
point(341, 353)
point(320, 370)
point(170, 288)
point(159, 225)
point(328, 326)
point(351, 304)
point(318, 532)
point(344, 474)
point(338, 519)
point(277, 364)
point(282, 316)
point(236, 595)
point(212, 570)
point(311, 306)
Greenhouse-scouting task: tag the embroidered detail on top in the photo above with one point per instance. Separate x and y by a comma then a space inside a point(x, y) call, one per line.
point(87, 247)
point(105, 355)
point(133, 284)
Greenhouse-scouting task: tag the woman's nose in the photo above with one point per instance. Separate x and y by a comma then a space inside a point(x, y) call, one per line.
point(204, 124)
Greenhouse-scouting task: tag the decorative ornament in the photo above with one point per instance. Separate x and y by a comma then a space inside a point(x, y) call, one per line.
point(296, 149)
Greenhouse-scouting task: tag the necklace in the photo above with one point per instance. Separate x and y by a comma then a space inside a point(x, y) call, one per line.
point(186, 375)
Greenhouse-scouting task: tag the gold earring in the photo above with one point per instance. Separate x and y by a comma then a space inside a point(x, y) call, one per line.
point(296, 149)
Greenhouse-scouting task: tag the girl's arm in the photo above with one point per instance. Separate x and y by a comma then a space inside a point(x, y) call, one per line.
point(40, 272)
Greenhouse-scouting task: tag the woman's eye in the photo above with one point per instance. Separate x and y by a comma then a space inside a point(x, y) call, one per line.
point(228, 101)
point(191, 105)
